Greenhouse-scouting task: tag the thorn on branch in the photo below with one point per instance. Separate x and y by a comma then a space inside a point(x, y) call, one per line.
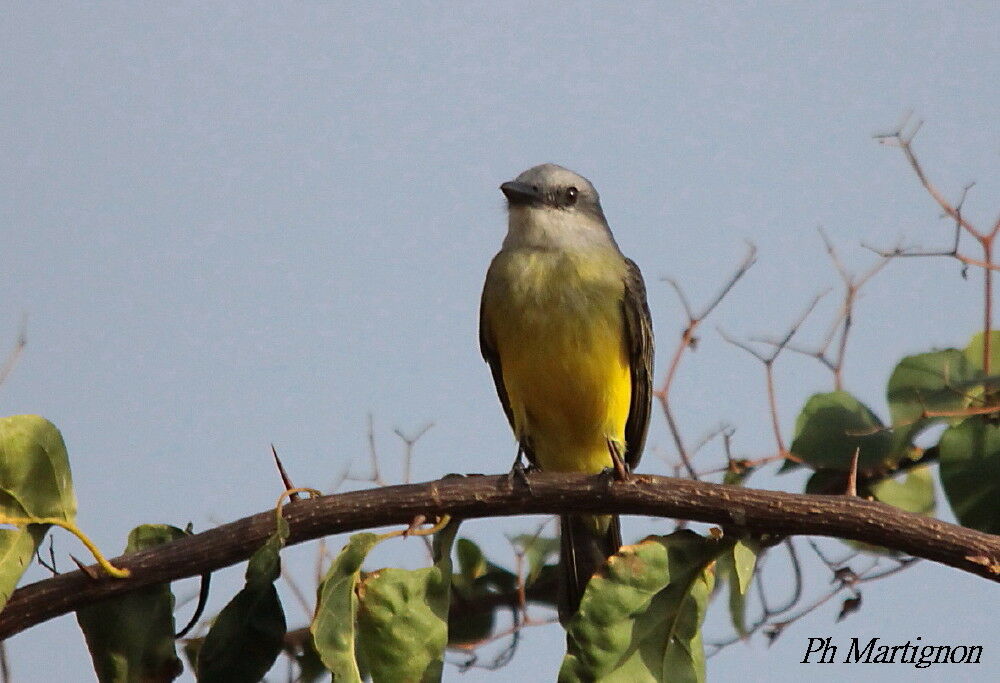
point(773, 631)
point(850, 605)
point(286, 481)
point(852, 474)
point(415, 524)
point(92, 572)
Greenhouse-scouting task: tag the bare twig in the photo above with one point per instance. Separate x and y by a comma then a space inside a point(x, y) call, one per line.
point(852, 285)
point(723, 430)
point(376, 475)
point(902, 137)
point(768, 362)
point(832, 565)
point(374, 471)
point(410, 442)
point(520, 617)
point(307, 606)
point(15, 353)
point(767, 612)
point(688, 341)
point(796, 595)
point(902, 565)
point(840, 327)
point(51, 564)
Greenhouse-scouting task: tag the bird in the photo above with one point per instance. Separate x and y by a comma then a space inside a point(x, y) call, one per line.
point(565, 328)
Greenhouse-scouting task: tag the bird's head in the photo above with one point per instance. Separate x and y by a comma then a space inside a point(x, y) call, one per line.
point(551, 207)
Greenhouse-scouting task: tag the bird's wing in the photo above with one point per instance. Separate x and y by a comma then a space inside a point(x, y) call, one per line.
point(639, 336)
point(490, 354)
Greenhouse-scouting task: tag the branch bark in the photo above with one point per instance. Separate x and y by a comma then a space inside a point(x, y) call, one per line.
point(737, 509)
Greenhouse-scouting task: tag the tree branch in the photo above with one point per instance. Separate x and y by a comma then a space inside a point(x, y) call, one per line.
point(740, 509)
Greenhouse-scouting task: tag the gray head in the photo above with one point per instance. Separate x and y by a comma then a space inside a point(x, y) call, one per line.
point(553, 207)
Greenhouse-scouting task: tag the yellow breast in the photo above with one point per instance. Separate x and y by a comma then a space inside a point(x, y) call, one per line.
point(556, 321)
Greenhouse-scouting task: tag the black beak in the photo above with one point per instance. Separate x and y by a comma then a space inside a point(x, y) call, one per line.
point(520, 193)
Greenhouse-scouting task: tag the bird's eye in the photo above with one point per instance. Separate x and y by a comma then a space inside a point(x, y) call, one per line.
point(571, 194)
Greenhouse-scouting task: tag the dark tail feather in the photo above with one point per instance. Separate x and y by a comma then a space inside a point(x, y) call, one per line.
point(586, 541)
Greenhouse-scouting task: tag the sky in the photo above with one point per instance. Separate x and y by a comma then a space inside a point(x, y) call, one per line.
point(237, 224)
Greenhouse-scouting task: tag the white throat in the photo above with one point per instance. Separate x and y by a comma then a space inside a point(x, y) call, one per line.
point(548, 228)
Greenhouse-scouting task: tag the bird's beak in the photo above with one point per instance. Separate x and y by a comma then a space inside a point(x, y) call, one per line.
point(520, 193)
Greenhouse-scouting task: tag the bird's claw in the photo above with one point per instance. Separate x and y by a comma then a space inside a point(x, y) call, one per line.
point(619, 467)
point(518, 472)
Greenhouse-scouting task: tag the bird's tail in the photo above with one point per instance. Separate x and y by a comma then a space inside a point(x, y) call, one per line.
point(586, 541)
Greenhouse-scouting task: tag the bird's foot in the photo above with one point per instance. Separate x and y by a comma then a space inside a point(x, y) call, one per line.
point(619, 468)
point(518, 471)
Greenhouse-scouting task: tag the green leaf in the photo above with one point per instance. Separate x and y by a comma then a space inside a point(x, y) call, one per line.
point(974, 351)
point(247, 635)
point(475, 580)
point(35, 481)
point(827, 482)
point(146, 536)
point(131, 637)
point(928, 381)
point(471, 561)
point(538, 550)
point(403, 617)
point(970, 472)
point(35, 478)
point(17, 550)
point(311, 667)
point(832, 426)
point(736, 568)
point(477, 574)
point(640, 616)
point(337, 609)
point(737, 473)
point(468, 584)
point(391, 622)
point(937, 381)
point(915, 493)
point(744, 560)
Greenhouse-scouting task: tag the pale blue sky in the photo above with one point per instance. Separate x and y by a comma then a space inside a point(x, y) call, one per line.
point(250, 223)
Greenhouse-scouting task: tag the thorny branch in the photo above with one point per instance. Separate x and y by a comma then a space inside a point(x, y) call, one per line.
point(841, 325)
point(768, 362)
point(689, 341)
point(844, 578)
point(521, 619)
point(754, 511)
point(902, 137)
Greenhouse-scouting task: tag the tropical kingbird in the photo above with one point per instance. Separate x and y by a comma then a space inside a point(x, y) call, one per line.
point(565, 328)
